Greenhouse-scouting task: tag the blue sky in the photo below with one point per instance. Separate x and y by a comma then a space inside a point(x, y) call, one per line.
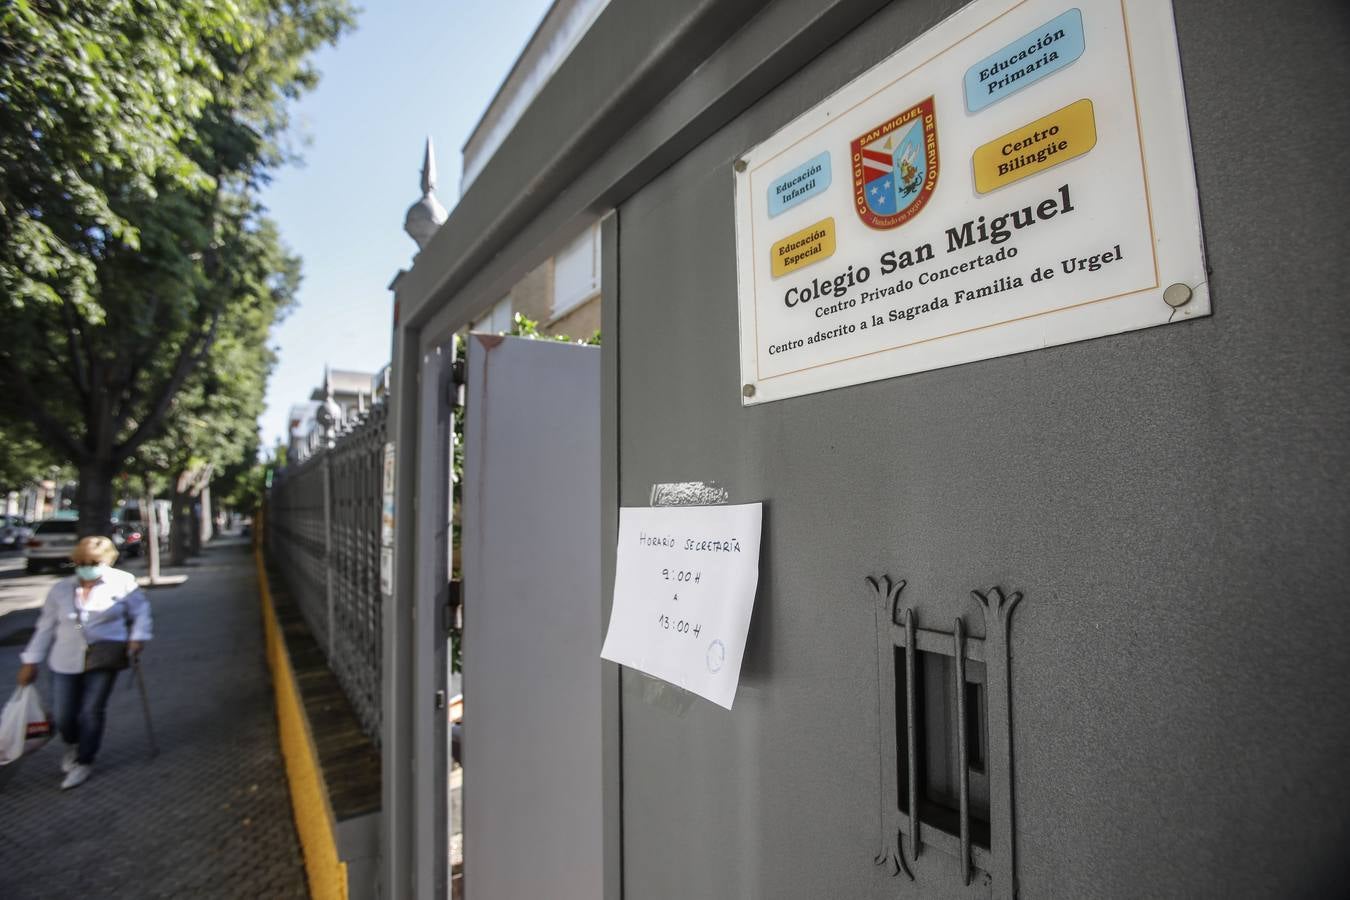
point(412, 68)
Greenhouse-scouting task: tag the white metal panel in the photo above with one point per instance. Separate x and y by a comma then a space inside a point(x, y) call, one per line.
point(532, 713)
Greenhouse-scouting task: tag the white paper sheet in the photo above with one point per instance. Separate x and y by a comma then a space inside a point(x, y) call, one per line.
point(684, 588)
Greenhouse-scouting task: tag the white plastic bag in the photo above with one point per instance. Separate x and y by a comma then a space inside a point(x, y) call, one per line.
point(24, 724)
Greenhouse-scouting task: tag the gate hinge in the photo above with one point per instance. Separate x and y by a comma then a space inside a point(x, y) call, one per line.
point(454, 389)
point(452, 607)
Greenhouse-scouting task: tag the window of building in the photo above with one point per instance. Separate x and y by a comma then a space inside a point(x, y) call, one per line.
point(497, 319)
point(576, 272)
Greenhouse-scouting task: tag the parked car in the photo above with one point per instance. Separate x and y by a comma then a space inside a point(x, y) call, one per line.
point(14, 531)
point(130, 538)
point(51, 544)
point(135, 516)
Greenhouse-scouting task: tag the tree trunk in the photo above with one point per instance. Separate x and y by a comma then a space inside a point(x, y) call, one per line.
point(207, 523)
point(151, 517)
point(180, 532)
point(194, 520)
point(94, 497)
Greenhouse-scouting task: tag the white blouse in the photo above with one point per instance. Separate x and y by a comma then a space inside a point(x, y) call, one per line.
point(113, 599)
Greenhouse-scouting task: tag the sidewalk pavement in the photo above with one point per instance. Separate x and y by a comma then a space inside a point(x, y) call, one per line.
point(210, 816)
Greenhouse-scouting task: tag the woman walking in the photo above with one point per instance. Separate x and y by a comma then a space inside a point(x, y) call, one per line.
point(92, 623)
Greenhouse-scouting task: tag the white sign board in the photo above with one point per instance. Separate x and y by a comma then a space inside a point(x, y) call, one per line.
point(387, 522)
point(1019, 176)
point(683, 591)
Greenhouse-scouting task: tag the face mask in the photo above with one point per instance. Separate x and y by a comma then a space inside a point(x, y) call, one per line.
point(90, 573)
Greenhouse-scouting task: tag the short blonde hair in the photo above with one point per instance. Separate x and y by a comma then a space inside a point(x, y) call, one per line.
point(94, 549)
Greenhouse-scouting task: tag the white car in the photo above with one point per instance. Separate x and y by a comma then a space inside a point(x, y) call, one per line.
point(51, 544)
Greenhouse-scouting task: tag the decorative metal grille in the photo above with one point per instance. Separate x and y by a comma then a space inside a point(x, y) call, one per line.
point(323, 532)
point(979, 709)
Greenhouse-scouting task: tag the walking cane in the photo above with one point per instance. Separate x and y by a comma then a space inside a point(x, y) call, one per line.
point(139, 678)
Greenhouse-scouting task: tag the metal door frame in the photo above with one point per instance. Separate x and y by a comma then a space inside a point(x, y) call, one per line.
point(415, 760)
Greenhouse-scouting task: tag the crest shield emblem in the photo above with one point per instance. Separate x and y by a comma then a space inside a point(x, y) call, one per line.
point(895, 167)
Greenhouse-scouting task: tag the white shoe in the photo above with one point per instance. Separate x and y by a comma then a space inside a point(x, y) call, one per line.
point(78, 776)
point(68, 761)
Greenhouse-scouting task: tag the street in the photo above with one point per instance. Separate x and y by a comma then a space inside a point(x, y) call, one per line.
point(18, 589)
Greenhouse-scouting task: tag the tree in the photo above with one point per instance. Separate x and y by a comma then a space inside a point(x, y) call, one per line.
point(134, 136)
point(242, 487)
point(23, 458)
point(213, 420)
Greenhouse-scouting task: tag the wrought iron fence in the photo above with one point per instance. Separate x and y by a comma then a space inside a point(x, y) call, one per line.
point(323, 533)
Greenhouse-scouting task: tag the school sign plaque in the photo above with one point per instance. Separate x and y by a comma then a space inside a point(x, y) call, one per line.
point(1018, 177)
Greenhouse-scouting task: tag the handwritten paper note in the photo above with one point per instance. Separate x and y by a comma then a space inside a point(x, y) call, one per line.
point(684, 588)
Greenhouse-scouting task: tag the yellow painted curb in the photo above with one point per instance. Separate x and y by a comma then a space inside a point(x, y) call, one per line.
point(327, 874)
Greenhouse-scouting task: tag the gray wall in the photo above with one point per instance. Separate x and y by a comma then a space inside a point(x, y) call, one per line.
point(1170, 501)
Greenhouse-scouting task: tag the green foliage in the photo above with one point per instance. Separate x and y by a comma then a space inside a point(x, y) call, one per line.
point(529, 328)
point(138, 275)
point(214, 415)
point(242, 487)
point(23, 458)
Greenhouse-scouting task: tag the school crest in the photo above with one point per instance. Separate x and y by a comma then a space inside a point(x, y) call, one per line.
point(895, 167)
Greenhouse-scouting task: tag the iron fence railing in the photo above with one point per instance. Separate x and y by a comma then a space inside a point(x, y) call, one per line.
point(323, 534)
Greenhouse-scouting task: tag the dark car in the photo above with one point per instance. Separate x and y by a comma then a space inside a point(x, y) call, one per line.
point(130, 539)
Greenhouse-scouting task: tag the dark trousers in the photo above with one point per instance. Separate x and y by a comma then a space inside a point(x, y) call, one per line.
point(80, 701)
